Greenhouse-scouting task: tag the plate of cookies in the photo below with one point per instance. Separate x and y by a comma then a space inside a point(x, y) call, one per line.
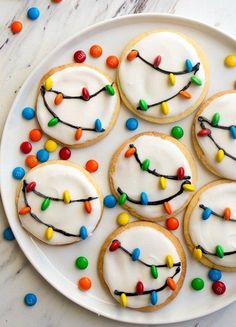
point(119, 182)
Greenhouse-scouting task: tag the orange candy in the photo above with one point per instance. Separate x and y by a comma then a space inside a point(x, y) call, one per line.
point(132, 55)
point(24, 211)
point(85, 283)
point(129, 152)
point(171, 283)
point(78, 134)
point(112, 62)
point(16, 27)
point(167, 208)
point(88, 206)
point(91, 166)
point(172, 223)
point(185, 94)
point(95, 51)
point(31, 161)
point(35, 135)
point(227, 213)
point(58, 99)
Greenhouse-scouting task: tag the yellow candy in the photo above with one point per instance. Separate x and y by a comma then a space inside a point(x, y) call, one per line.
point(122, 219)
point(230, 60)
point(66, 197)
point(172, 79)
point(220, 155)
point(123, 299)
point(165, 108)
point(169, 261)
point(189, 187)
point(50, 145)
point(48, 84)
point(163, 182)
point(49, 233)
point(197, 254)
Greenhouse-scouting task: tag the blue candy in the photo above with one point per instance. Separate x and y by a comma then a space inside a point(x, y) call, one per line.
point(8, 234)
point(33, 13)
point(233, 131)
point(98, 125)
point(83, 232)
point(154, 297)
point(214, 275)
point(109, 201)
point(18, 173)
point(42, 155)
point(135, 254)
point(30, 299)
point(144, 198)
point(28, 113)
point(131, 124)
point(189, 65)
point(206, 213)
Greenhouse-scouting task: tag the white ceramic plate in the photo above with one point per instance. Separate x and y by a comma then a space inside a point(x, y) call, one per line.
point(56, 264)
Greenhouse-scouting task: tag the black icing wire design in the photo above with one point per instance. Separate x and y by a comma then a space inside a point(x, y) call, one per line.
point(213, 253)
point(216, 214)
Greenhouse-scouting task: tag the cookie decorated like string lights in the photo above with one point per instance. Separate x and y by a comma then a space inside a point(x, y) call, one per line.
point(148, 274)
point(77, 104)
point(210, 225)
point(152, 175)
point(59, 203)
point(214, 134)
point(163, 76)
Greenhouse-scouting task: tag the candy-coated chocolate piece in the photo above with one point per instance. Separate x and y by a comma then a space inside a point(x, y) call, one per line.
point(49, 233)
point(167, 207)
point(172, 223)
point(98, 125)
point(65, 153)
point(48, 84)
point(16, 27)
point(92, 166)
point(50, 146)
point(196, 80)
point(25, 147)
point(157, 61)
point(144, 198)
point(110, 89)
point(172, 79)
point(218, 287)
point(132, 55)
point(215, 119)
point(153, 297)
point(171, 283)
point(197, 254)
point(185, 94)
point(30, 299)
point(206, 213)
point(143, 105)
point(95, 51)
point(122, 199)
point(18, 173)
point(169, 261)
point(230, 60)
point(88, 206)
point(56, 1)
point(58, 99)
point(79, 56)
point(28, 113)
point(163, 182)
point(197, 284)
point(165, 108)
point(227, 213)
point(53, 122)
point(24, 211)
point(139, 288)
point(112, 61)
point(188, 65)
point(220, 155)
point(214, 274)
point(83, 232)
point(78, 134)
point(233, 131)
point(189, 187)
point(8, 234)
point(204, 132)
point(35, 135)
point(81, 262)
point(114, 245)
point(130, 152)
point(220, 251)
point(180, 173)
point(177, 132)
point(85, 283)
point(131, 124)
point(109, 201)
point(123, 300)
point(42, 155)
point(30, 187)
point(122, 219)
point(45, 204)
point(85, 93)
point(146, 164)
point(154, 272)
point(33, 13)
point(31, 161)
point(135, 254)
point(66, 197)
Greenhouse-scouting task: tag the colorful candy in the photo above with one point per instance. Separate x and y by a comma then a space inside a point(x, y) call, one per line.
point(78, 134)
point(64, 153)
point(31, 161)
point(172, 79)
point(79, 56)
point(218, 288)
point(98, 125)
point(114, 245)
point(8, 234)
point(188, 65)
point(16, 27)
point(163, 182)
point(189, 187)
point(204, 132)
point(232, 130)
point(131, 151)
point(177, 132)
point(18, 173)
point(180, 173)
point(50, 146)
point(95, 51)
point(112, 62)
point(144, 198)
point(167, 207)
point(171, 283)
point(169, 261)
point(42, 155)
point(197, 254)
point(185, 94)
point(135, 254)
point(49, 233)
point(146, 164)
point(215, 119)
point(154, 272)
point(28, 113)
point(24, 211)
point(230, 60)
point(83, 232)
point(109, 201)
point(56, 1)
point(66, 197)
point(30, 299)
point(85, 283)
point(165, 108)
point(33, 13)
point(157, 61)
point(88, 206)
point(48, 84)
point(132, 55)
point(139, 288)
point(172, 223)
point(45, 204)
point(131, 124)
point(206, 213)
point(58, 99)
point(197, 284)
point(30, 187)
point(196, 80)
point(220, 251)
point(35, 135)
point(220, 155)
point(25, 147)
point(81, 263)
point(91, 166)
point(122, 199)
point(123, 300)
point(143, 105)
point(153, 298)
point(122, 219)
point(53, 122)
point(214, 275)
point(110, 89)
point(227, 213)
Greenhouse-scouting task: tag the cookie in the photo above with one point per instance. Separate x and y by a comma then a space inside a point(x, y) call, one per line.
point(77, 104)
point(142, 265)
point(214, 134)
point(210, 225)
point(59, 203)
point(163, 76)
point(152, 175)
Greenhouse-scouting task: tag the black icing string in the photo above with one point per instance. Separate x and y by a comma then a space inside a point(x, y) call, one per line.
point(78, 96)
point(215, 213)
point(212, 253)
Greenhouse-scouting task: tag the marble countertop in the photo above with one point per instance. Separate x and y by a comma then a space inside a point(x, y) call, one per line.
point(19, 55)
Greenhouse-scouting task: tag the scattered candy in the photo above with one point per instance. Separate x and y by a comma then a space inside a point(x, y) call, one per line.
point(131, 124)
point(42, 155)
point(56, 1)
point(135, 254)
point(132, 55)
point(123, 300)
point(172, 223)
point(16, 27)
point(81, 263)
point(85, 283)
point(172, 79)
point(122, 219)
point(58, 99)
point(83, 232)
point(163, 182)
point(230, 60)
point(33, 13)
point(95, 51)
point(143, 105)
point(196, 80)
point(188, 65)
point(31, 161)
point(35, 135)
point(220, 251)
point(157, 61)
point(215, 119)
point(220, 155)
point(139, 288)
point(197, 254)
point(109, 201)
point(165, 108)
point(49, 233)
point(28, 113)
point(64, 153)
point(122, 199)
point(50, 146)
point(197, 284)
point(177, 132)
point(30, 299)
point(8, 234)
point(153, 298)
point(79, 56)
point(91, 166)
point(154, 272)
point(214, 275)
point(18, 173)
point(144, 198)
point(218, 288)
point(112, 62)
point(25, 147)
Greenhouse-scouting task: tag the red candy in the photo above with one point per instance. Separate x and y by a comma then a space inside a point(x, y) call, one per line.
point(30, 187)
point(139, 288)
point(56, 1)
point(65, 153)
point(218, 288)
point(25, 147)
point(91, 166)
point(180, 173)
point(172, 223)
point(79, 56)
point(157, 61)
point(204, 132)
point(114, 245)
point(85, 93)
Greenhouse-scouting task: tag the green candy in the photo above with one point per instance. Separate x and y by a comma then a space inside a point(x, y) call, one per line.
point(215, 119)
point(220, 251)
point(45, 204)
point(110, 89)
point(146, 164)
point(154, 272)
point(196, 80)
point(81, 263)
point(53, 122)
point(122, 199)
point(177, 132)
point(143, 105)
point(197, 284)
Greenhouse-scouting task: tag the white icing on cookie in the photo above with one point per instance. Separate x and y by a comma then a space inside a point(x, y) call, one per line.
point(52, 179)
point(225, 106)
point(122, 274)
point(70, 81)
point(215, 230)
point(140, 81)
point(166, 157)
